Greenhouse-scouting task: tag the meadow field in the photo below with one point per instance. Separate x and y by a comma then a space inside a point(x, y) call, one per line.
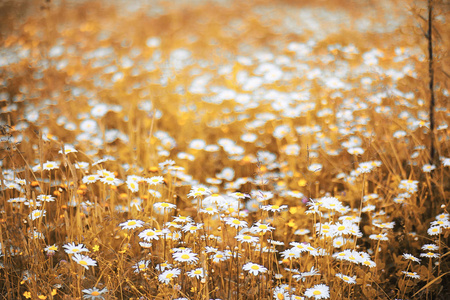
point(224, 149)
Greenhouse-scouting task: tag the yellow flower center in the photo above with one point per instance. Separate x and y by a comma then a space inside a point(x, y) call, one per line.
point(185, 256)
point(316, 292)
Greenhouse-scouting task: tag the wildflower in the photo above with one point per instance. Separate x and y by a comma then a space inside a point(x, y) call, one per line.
point(94, 293)
point(84, 260)
point(163, 266)
point(434, 230)
point(185, 256)
point(81, 165)
point(430, 247)
point(253, 268)
point(441, 223)
point(155, 180)
point(389, 225)
point(290, 253)
point(261, 227)
point(411, 274)
point(442, 217)
point(302, 247)
point(197, 144)
point(90, 179)
point(368, 263)
point(197, 273)
point(214, 199)
point(227, 174)
point(50, 165)
point(132, 224)
point(427, 168)
point(410, 257)
point(274, 208)
point(199, 191)
point(325, 229)
point(50, 250)
point(379, 237)
point(68, 149)
point(302, 231)
point(344, 228)
point(36, 214)
point(239, 195)
point(295, 194)
point(154, 193)
point(219, 256)
point(149, 234)
point(356, 151)
point(133, 186)
point(292, 149)
point(45, 198)
point(409, 185)
point(319, 291)
point(246, 238)
point(141, 266)
point(167, 275)
point(71, 248)
point(111, 180)
point(209, 210)
point(183, 219)
point(365, 167)
point(339, 242)
point(192, 227)
point(136, 203)
point(429, 255)
point(236, 223)
point(36, 235)
point(280, 293)
point(164, 206)
point(32, 203)
point(349, 280)
point(315, 167)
